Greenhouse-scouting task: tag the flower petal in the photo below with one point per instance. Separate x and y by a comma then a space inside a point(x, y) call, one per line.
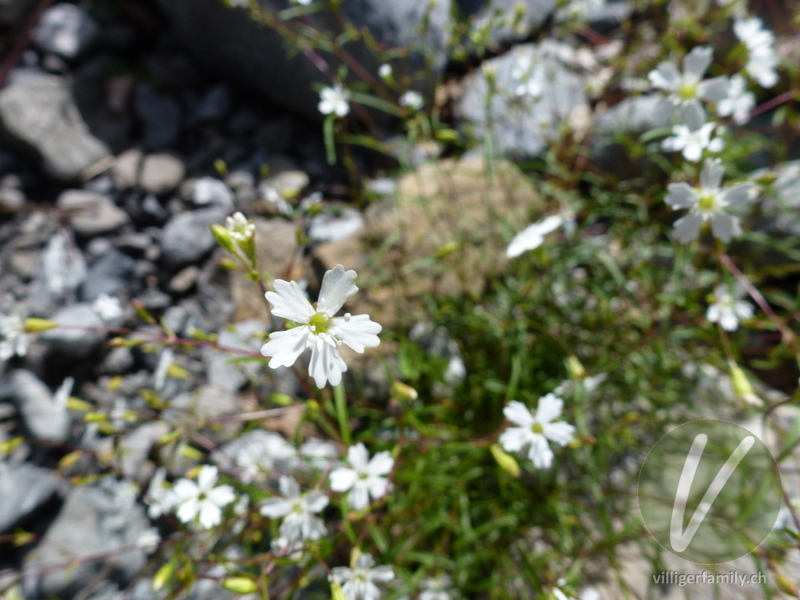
point(286, 346)
point(540, 452)
point(378, 486)
point(518, 413)
point(381, 463)
point(358, 456)
point(326, 364)
point(549, 408)
point(275, 508)
point(222, 495)
point(561, 433)
point(207, 477)
point(210, 515)
point(681, 195)
point(687, 228)
point(358, 332)
point(338, 286)
point(714, 90)
point(665, 77)
point(343, 479)
point(358, 496)
point(711, 175)
point(696, 63)
point(289, 487)
point(316, 502)
point(725, 226)
point(515, 439)
point(738, 194)
point(289, 302)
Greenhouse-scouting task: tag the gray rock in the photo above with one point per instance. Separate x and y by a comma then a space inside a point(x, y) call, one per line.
point(79, 333)
point(11, 199)
point(208, 190)
point(231, 44)
point(13, 11)
point(62, 269)
point(97, 520)
point(39, 113)
point(66, 30)
point(633, 115)
point(220, 371)
point(211, 402)
point(187, 237)
point(160, 116)
point(133, 449)
point(119, 361)
point(161, 173)
point(184, 280)
point(110, 274)
point(42, 416)
point(215, 104)
point(523, 125)
point(125, 172)
point(23, 489)
point(91, 214)
point(507, 25)
point(331, 228)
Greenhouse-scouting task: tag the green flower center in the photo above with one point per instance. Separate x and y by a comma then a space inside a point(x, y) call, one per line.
point(537, 428)
point(707, 202)
point(687, 91)
point(363, 476)
point(297, 507)
point(319, 323)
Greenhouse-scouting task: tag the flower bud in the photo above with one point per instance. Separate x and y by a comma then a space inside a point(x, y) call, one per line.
point(507, 462)
point(36, 325)
point(239, 585)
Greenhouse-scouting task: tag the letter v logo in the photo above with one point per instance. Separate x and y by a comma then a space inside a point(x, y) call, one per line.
point(679, 537)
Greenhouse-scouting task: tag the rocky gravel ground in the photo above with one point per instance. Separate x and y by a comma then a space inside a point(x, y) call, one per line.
point(128, 128)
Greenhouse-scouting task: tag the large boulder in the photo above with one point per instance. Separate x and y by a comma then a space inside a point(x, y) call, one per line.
point(96, 532)
point(511, 20)
point(523, 98)
point(231, 44)
point(39, 113)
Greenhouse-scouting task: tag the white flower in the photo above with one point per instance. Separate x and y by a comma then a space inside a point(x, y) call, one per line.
point(688, 87)
point(359, 583)
point(693, 136)
point(317, 453)
point(437, 588)
point(159, 497)
point(412, 100)
point(739, 102)
point(528, 77)
point(107, 307)
point(762, 60)
point(240, 228)
point(366, 478)
point(270, 194)
point(149, 540)
point(203, 500)
point(12, 336)
point(262, 452)
point(385, 71)
point(63, 392)
point(299, 522)
point(535, 429)
point(283, 547)
point(707, 203)
point(318, 328)
point(533, 236)
point(304, 2)
point(334, 101)
point(727, 308)
point(164, 362)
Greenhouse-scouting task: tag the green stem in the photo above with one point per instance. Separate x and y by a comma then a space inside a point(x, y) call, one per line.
point(341, 412)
